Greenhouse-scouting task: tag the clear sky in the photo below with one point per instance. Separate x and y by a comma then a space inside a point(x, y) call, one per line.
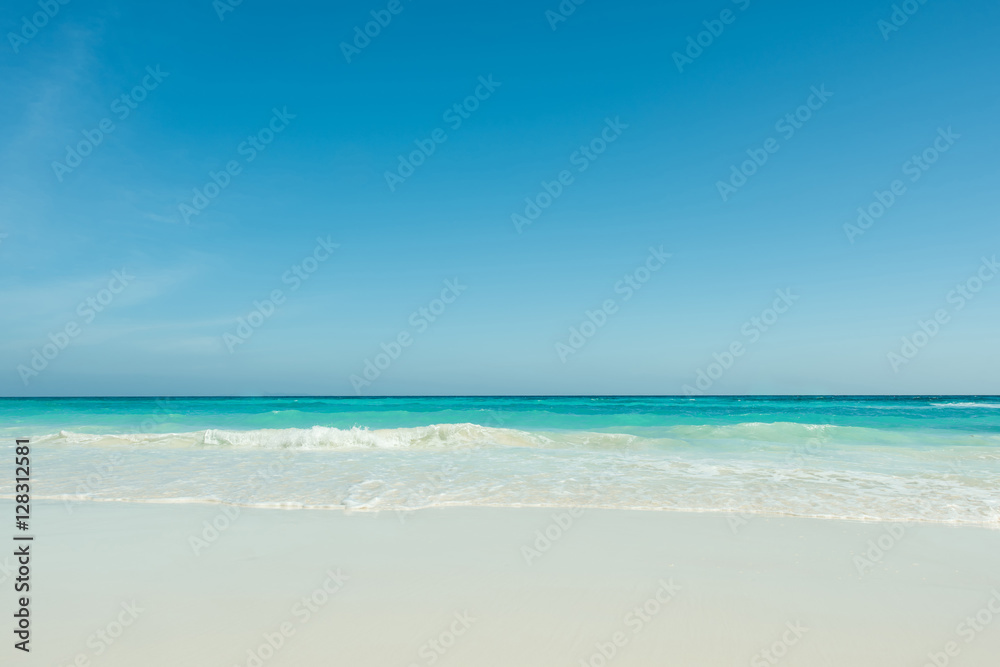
point(622, 131)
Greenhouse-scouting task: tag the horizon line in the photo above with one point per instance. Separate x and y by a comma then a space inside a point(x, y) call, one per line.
point(389, 396)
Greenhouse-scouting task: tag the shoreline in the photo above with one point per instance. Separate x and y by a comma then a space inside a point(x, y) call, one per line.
point(289, 507)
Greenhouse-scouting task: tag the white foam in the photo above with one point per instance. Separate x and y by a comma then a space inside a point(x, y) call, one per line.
point(817, 470)
point(966, 405)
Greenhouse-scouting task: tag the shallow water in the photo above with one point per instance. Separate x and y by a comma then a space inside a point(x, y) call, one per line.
point(883, 458)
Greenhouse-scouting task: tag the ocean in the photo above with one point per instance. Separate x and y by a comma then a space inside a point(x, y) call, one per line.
point(930, 459)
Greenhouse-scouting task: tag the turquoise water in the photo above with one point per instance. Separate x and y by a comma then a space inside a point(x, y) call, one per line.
point(979, 414)
point(879, 458)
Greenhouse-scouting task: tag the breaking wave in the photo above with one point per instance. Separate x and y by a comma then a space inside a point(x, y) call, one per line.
point(784, 468)
point(465, 436)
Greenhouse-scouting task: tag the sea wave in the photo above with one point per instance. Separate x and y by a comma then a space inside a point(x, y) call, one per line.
point(784, 468)
point(966, 405)
point(467, 435)
point(437, 436)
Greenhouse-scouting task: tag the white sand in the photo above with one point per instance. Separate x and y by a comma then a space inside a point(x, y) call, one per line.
point(458, 577)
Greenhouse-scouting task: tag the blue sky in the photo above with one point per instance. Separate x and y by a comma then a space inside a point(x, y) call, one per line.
point(598, 101)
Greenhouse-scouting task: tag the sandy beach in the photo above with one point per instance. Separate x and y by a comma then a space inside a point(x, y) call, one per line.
point(199, 584)
point(521, 334)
